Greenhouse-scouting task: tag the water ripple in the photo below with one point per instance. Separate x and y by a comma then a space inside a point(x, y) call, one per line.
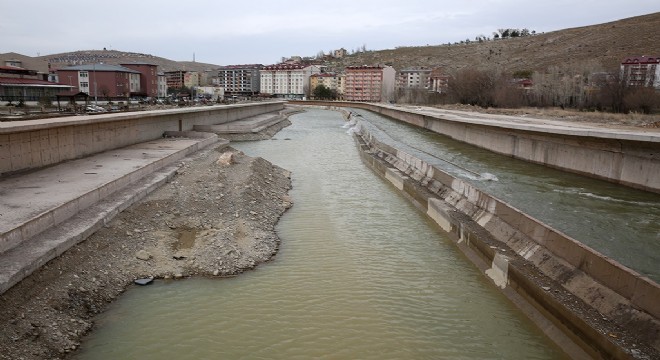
point(361, 274)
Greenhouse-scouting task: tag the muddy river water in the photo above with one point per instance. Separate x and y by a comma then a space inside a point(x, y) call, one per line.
point(361, 274)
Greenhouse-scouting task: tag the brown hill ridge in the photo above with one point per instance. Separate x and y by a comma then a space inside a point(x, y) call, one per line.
point(606, 44)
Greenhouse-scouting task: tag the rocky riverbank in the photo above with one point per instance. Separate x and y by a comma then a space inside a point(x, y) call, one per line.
point(216, 218)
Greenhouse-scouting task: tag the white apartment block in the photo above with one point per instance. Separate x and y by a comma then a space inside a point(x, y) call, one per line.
point(289, 81)
point(641, 71)
point(414, 79)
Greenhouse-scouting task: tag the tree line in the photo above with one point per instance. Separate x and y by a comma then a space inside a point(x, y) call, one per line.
point(578, 86)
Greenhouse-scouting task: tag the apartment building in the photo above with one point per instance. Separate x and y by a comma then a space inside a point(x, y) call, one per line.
point(369, 83)
point(162, 85)
point(328, 80)
point(102, 80)
point(439, 81)
point(331, 81)
point(148, 78)
point(641, 71)
point(413, 78)
point(240, 79)
point(289, 81)
point(340, 53)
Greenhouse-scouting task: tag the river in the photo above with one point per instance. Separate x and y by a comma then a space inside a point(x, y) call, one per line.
point(361, 274)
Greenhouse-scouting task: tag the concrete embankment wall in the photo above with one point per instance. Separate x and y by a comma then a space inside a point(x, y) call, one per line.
point(32, 144)
point(628, 159)
point(564, 280)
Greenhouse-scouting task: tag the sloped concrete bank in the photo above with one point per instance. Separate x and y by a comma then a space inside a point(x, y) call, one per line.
point(591, 305)
point(629, 157)
point(34, 144)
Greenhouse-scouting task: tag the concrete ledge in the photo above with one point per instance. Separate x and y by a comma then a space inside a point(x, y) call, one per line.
point(163, 152)
point(250, 125)
point(515, 244)
point(33, 144)
point(629, 157)
point(21, 261)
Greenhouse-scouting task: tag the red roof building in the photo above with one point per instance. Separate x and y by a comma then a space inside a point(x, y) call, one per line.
point(641, 71)
point(19, 84)
point(102, 81)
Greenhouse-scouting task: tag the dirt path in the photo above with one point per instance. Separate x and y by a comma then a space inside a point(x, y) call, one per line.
point(213, 219)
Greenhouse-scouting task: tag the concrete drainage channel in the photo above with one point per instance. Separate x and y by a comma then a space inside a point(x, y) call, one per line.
point(592, 306)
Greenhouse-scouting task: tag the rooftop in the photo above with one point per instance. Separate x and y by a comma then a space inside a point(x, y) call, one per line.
point(99, 67)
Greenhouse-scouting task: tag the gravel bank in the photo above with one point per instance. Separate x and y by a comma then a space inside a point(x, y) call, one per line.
point(216, 218)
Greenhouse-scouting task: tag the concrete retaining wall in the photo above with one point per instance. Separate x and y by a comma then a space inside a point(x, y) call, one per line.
point(628, 158)
point(34, 144)
point(516, 244)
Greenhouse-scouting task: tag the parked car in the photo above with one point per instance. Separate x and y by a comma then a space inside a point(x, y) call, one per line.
point(92, 108)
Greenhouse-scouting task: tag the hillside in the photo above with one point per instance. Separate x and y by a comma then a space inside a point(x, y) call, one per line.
point(607, 44)
point(604, 44)
point(113, 57)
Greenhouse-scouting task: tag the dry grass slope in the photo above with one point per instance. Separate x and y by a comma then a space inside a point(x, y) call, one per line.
point(605, 43)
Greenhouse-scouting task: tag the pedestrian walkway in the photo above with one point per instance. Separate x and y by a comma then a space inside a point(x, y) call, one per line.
point(44, 212)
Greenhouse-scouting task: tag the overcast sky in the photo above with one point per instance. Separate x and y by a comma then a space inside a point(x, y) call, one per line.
point(263, 31)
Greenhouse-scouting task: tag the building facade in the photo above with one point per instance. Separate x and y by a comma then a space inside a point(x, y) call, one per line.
point(289, 81)
point(340, 53)
point(413, 78)
point(102, 81)
point(19, 84)
point(174, 79)
point(369, 83)
point(641, 71)
point(439, 81)
point(191, 79)
point(162, 85)
point(148, 79)
point(240, 79)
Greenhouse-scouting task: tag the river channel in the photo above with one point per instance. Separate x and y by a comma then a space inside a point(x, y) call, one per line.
point(361, 274)
point(617, 221)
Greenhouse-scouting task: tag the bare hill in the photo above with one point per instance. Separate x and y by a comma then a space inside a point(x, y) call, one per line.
point(606, 44)
point(113, 57)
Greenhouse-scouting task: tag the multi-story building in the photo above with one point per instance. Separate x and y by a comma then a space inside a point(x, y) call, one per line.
point(341, 85)
point(148, 78)
point(340, 53)
point(19, 84)
point(174, 79)
point(287, 80)
point(102, 80)
point(641, 71)
point(162, 85)
point(329, 80)
point(413, 78)
point(439, 81)
point(240, 79)
point(369, 83)
point(191, 79)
